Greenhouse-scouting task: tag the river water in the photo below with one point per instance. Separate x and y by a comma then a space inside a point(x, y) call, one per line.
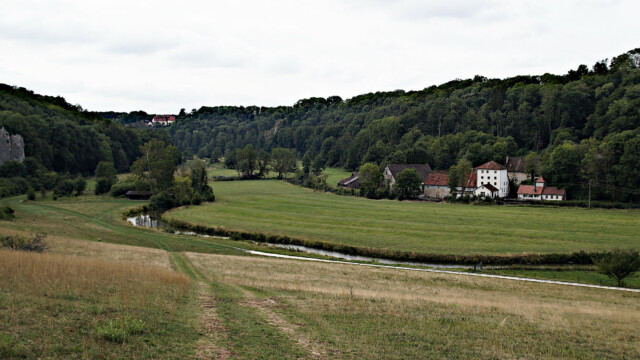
point(153, 221)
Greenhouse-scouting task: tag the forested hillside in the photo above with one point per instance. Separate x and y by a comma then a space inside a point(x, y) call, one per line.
point(584, 125)
point(64, 138)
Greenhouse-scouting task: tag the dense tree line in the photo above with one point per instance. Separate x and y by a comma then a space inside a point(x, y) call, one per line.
point(65, 138)
point(583, 126)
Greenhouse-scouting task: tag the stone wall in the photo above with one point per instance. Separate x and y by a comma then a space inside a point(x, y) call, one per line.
point(11, 147)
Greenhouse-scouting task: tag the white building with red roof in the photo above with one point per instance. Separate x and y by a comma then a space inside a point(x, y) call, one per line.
point(436, 185)
point(163, 120)
point(540, 191)
point(492, 180)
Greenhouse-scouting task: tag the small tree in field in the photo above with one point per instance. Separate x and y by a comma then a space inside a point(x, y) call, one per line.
point(619, 264)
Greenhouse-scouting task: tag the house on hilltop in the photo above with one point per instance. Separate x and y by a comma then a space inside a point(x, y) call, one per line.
point(391, 171)
point(163, 120)
point(540, 191)
point(516, 169)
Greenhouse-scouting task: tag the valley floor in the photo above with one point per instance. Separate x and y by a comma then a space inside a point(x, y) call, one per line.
point(105, 289)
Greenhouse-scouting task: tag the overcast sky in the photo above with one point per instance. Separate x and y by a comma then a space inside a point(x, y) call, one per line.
point(160, 56)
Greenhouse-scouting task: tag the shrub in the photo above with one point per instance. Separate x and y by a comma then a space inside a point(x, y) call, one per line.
point(618, 264)
point(103, 186)
point(163, 200)
point(64, 188)
point(6, 213)
point(19, 243)
point(196, 199)
point(31, 194)
point(79, 185)
point(121, 188)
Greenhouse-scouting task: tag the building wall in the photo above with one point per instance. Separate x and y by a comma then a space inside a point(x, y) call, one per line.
point(437, 192)
point(518, 177)
point(498, 178)
point(388, 177)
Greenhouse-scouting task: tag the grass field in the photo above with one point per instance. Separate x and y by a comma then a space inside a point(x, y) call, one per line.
point(343, 311)
point(105, 289)
point(280, 208)
point(334, 175)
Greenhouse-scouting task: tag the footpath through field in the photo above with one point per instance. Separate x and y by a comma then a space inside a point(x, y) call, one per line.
point(253, 252)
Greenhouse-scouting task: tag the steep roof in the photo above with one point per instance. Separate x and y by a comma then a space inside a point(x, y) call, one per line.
point(471, 180)
point(492, 165)
point(515, 164)
point(540, 180)
point(423, 169)
point(489, 187)
point(349, 180)
point(437, 180)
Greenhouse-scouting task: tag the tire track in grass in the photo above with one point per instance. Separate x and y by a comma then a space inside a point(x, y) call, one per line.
point(265, 308)
point(214, 333)
point(247, 335)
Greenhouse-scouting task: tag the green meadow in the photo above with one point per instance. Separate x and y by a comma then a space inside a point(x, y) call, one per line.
point(275, 207)
point(104, 289)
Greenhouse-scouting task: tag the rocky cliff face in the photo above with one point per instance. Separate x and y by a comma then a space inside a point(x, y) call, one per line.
point(11, 147)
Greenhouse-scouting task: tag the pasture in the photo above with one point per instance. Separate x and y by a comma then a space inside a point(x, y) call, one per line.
point(274, 207)
point(105, 289)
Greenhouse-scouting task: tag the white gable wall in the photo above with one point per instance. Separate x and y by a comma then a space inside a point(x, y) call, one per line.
point(498, 178)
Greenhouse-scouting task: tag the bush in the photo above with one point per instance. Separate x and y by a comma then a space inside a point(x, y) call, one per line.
point(31, 194)
point(196, 199)
point(79, 185)
point(64, 188)
point(163, 200)
point(618, 264)
point(19, 243)
point(103, 186)
point(13, 186)
point(121, 188)
point(6, 213)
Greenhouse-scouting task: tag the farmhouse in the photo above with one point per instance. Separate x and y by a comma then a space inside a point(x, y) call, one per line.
point(163, 120)
point(352, 182)
point(516, 169)
point(494, 174)
point(436, 185)
point(539, 191)
point(391, 171)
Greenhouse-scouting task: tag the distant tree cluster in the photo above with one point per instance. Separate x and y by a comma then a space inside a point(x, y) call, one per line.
point(583, 126)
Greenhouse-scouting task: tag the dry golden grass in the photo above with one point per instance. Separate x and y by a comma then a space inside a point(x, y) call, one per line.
point(110, 252)
point(57, 306)
point(502, 311)
point(106, 251)
point(92, 278)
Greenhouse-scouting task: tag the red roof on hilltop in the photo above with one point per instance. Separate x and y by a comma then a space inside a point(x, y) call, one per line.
point(492, 165)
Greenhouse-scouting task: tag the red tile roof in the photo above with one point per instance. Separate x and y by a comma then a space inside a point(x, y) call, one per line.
point(437, 180)
point(472, 179)
point(530, 190)
point(540, 180)
point(492, 165)
point(552, 190)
